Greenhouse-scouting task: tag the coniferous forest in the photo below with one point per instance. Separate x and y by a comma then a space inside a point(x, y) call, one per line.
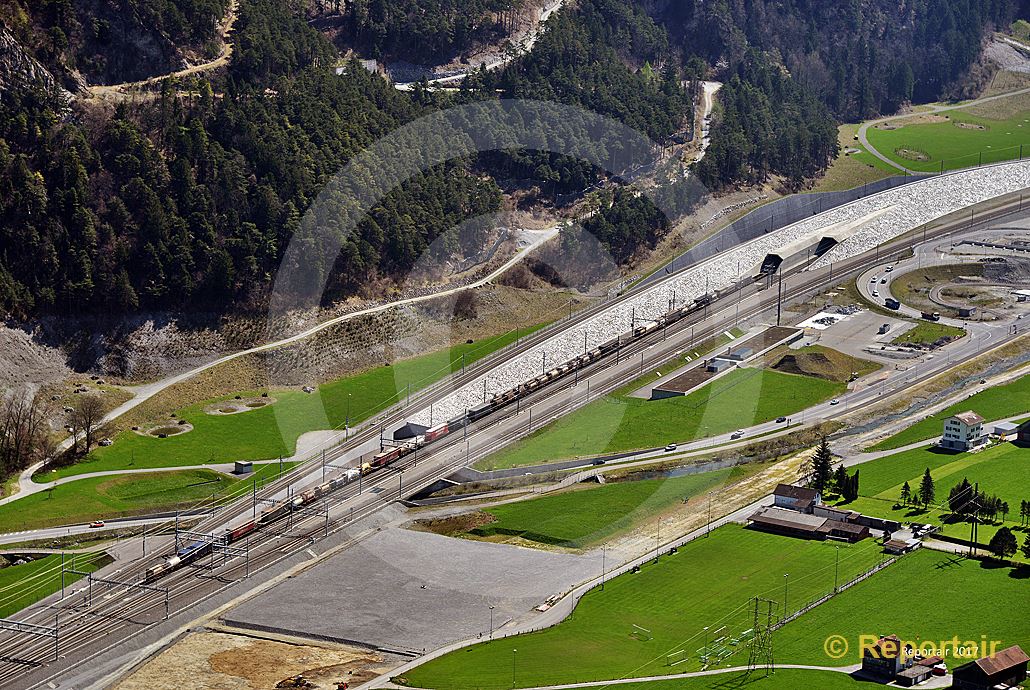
point(189, 196)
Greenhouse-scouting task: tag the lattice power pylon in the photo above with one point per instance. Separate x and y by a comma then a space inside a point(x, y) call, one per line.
point(761, 640)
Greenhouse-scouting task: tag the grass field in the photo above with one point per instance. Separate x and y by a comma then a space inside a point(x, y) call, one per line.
point(850, 170)
point(1002, 470)
point(947, 597)
point(273, 430)
point(708, 583)
point(592, 513)
point(928, 333)
point(782, 679)
point(620, 422)
point(997, 402)
point(95, 498)
point(23, 585)
point(957, 141)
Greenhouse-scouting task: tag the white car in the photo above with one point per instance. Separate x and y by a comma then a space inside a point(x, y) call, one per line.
point(876, 293)
point(671, 447)
point(888, 269)
point(835, 402)
point(874, 279)
point(739, 433)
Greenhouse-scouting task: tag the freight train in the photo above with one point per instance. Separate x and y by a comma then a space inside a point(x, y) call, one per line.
point(389, 456)
point(197, 549)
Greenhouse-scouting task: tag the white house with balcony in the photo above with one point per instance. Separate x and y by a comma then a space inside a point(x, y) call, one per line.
point(964, 431)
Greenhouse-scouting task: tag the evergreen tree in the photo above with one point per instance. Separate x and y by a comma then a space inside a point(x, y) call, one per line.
point(926, 489)
point(906, 494)
point(851, 492)
point(822, 466)
point(1025, 548)
point(840, 479)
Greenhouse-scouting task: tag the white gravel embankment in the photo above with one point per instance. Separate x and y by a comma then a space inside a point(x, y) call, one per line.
point(886, 215)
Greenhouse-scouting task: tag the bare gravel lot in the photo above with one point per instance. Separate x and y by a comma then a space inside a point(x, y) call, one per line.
point(409, 590)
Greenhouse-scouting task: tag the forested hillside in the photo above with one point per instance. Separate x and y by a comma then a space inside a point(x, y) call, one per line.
point(768, 124)
point(422, 31)
point(863, 57)
point(188, 196)
point(109, 41)
point(190, 202)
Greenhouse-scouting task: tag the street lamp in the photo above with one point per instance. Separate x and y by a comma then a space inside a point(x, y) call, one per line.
point(513, 651)
point(786, 578)
point(836, 566)
point(491, 621)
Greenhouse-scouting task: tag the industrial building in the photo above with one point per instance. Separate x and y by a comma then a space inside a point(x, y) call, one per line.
point(805, 525)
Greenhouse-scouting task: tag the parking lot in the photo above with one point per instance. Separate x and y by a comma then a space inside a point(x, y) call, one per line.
point(858, 336)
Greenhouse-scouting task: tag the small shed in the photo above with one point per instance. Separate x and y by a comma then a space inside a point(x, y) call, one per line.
point(1005, 429)
point(242, 467)
point(913, 675)
point(719, 365)
point(740, 354)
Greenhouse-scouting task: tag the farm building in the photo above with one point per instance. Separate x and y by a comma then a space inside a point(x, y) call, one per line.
point(963, 431)
point(804, 525)
point(901, 546)
point(1004, 669)
point(796, 498)
point(1023, 432)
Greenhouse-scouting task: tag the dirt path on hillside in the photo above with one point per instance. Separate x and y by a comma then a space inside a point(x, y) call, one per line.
point(116, 91)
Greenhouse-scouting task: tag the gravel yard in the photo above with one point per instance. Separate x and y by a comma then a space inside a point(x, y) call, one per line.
point(409, 590)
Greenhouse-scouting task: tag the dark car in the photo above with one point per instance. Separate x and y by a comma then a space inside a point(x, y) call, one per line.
point(781, 420)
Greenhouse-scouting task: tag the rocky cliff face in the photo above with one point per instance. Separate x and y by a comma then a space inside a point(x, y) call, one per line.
point(18, 69)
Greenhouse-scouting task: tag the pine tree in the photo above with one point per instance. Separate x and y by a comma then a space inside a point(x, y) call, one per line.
point(906, 494)
point(1025, 548)
point(926, 489)
point(822, 466)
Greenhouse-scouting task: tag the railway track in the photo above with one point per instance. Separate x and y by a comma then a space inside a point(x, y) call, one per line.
point(123, 611)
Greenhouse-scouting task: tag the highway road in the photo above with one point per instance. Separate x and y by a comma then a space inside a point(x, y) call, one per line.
point(90, 632)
